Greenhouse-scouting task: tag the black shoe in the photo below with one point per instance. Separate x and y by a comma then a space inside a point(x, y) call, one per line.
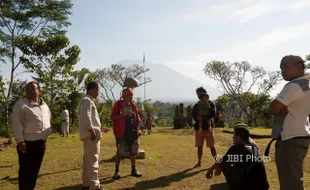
point(135, 173)
point(116, 176)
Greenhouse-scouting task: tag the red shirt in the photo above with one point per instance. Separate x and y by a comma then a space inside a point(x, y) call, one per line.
point(119, 125)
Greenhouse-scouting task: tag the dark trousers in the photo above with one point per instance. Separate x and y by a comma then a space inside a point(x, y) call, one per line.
point(30, 163)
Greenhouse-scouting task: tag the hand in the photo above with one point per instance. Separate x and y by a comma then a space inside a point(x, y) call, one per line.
point(22, 147)
point(105, 129)
point(93, 134)
point(218, 171)
point(209, 174)
point(139, 133)
point(127, 113)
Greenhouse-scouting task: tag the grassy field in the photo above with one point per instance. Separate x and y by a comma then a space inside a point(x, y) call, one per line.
point(170, 156)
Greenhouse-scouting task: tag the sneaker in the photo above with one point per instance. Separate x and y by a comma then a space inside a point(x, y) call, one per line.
point(116, 176)
point(135, 173)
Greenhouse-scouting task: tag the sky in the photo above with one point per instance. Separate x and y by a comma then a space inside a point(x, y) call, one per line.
point(186, 34)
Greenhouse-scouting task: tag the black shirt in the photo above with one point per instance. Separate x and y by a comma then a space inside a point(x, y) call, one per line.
point(207, 117)
point(244, 168)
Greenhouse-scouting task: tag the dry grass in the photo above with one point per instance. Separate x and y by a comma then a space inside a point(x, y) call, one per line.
point(170, 155)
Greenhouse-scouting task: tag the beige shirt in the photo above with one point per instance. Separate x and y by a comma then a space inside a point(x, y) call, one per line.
point(88, 118)
point(31, 120)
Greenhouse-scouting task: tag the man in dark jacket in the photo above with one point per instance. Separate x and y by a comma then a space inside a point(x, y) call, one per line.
point(243, 167)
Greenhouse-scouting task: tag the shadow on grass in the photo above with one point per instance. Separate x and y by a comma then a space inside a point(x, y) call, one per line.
point(220, 186)
point(164, 181)
point(14, 180)
point(73, 187)
point(254, 136)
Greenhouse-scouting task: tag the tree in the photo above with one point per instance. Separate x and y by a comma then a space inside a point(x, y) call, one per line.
point(53, 69)
point(115, 75)
point(34, 18)
point(239, 78)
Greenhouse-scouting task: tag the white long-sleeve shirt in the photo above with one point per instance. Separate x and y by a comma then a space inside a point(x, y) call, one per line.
point(31, 120)
point(88, 117)
point(65, 114)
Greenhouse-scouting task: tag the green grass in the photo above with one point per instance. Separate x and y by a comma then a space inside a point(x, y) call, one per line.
point(170, 155)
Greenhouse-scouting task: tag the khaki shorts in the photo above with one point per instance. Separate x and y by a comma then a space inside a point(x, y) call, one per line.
point(203, 135)
point(122, 148)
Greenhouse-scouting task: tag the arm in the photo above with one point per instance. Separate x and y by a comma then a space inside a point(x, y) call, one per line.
point(115, 113)
point(138, 119)
point(17, 120)
point(288, 95)
point(194, 112)
point(85, 114)
point(211, 111)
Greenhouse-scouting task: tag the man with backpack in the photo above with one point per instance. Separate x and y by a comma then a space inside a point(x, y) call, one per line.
point(291, 128)
point(126, 119)
point(243, 167)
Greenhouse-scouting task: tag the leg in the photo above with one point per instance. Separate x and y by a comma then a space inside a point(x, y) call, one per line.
point(25, 165)
point(134, 150)
point(120, 149)
point(210, 142)
point(199, 144)
point(38, 158)
point(91, 153)
point(289, 157)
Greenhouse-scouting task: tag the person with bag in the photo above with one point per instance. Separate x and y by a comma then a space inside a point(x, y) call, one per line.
point(290, 127)
point(126, 122)
point(242, 166)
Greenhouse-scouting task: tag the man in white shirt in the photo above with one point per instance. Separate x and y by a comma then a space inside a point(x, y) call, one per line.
point(90, 134)
point(65, 121)
point(291, 123)
point(31, 127)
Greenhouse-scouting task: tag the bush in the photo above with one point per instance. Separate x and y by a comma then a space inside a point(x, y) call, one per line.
point(6, 131)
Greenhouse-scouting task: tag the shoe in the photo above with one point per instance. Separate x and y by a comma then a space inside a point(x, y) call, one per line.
point(135, 173)
point(197, 166)
point(116, 176)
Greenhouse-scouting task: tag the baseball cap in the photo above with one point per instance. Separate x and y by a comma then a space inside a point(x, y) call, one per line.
point(291, 59)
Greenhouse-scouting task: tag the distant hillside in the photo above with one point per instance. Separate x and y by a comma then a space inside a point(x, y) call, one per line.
point(168, 85)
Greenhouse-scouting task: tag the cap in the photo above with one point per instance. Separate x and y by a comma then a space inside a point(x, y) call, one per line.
point(291, 59)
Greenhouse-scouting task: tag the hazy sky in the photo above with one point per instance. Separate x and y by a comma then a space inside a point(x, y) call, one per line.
point(186, 34)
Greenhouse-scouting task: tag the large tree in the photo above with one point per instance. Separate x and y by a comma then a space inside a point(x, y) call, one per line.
point(40, 18)
point(115, 75)
point(239, 78)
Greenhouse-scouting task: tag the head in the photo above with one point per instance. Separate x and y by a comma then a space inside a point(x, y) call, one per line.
point(204, 97)
point(32, 90)
point(127, 95)
point(200, 91)
point(241, 134)
point(292, 67)
point(64, 107)
point(93, 89)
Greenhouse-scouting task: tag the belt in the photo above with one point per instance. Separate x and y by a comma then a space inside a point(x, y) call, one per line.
point(294, 138)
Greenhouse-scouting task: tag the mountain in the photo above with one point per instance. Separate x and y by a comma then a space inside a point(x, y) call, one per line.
point(168, 85)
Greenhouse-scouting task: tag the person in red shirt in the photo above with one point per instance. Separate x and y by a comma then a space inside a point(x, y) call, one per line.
point(126, 119)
